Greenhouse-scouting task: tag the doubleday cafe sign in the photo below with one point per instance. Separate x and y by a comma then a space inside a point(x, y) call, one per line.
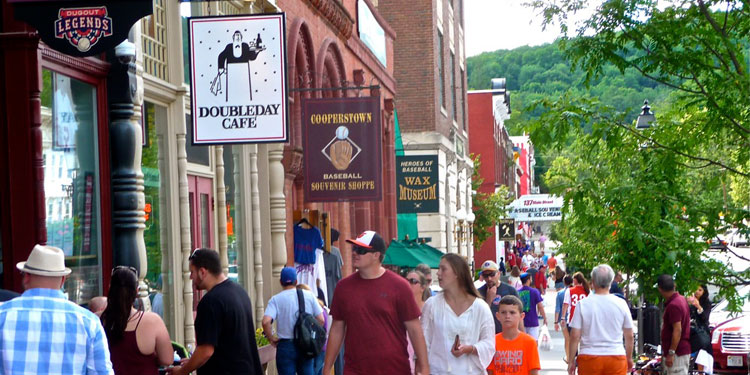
point(417, 184)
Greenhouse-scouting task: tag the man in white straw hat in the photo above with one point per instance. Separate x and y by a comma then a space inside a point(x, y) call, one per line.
point(41, 332)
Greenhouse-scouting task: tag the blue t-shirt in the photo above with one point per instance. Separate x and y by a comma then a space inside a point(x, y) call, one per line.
point(558, 304)
point(545, 259)
point(306, 241)
point(530, 298)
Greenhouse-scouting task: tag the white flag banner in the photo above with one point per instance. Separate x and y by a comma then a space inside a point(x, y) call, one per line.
point(238, 79)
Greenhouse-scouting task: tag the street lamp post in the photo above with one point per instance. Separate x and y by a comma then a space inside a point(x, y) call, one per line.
point(645, 119)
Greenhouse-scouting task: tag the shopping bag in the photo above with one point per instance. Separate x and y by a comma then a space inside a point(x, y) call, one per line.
point(545, 340)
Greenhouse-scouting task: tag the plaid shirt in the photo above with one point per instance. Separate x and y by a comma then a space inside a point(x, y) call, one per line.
point(41, 332)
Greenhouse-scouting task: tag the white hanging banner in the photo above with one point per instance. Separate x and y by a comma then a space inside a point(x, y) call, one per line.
point(536, 207)
point(238, 79)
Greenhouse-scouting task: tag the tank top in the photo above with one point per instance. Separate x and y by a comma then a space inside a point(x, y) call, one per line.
point(127, 359)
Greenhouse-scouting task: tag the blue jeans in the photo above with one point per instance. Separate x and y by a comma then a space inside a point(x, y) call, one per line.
point(318, 363)
point(289, 362)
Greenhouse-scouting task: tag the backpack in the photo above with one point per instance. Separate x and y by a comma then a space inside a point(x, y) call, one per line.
point(309, 334)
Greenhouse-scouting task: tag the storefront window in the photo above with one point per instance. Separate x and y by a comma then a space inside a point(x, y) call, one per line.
point(152, 115)
point(71, 180)
point(231, 192)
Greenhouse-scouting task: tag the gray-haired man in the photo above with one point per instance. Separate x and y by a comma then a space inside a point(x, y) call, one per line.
point(599, 323)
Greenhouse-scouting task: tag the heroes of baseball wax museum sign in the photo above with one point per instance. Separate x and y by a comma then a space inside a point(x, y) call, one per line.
point(341, 140)
point(238, 79)
point(416, 184)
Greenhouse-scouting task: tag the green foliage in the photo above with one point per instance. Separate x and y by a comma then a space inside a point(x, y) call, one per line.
point(488, 208)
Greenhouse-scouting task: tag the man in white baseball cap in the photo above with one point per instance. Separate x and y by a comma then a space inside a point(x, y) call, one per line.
point(493, 290)
point(42, 332)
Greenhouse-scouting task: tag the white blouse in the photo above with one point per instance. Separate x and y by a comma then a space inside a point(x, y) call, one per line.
point(474, 327)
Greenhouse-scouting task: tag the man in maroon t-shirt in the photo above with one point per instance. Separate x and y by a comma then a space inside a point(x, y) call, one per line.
point(375, 309)
point(675, 331)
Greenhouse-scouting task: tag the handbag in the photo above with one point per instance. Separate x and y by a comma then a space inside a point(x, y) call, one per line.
point(699, 336)
point(545, 340)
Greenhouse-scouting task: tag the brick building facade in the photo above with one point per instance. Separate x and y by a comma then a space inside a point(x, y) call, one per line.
point(430, 68)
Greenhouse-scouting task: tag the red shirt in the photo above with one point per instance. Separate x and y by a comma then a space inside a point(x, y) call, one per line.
point(374, 311)
point(676, 310)
point(577, 293)
point(511, 259)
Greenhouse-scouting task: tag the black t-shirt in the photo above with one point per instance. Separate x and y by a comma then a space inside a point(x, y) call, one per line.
point(225, 321)
point(502, 290)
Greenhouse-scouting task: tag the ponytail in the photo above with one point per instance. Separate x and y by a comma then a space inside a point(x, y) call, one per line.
point(582, 281)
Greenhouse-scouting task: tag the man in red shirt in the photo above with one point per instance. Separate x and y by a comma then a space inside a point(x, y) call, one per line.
point(374, 308)
point(675, 331)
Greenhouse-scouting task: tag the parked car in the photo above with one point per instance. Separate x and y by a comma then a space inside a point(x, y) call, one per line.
point(737, 238)
point(730, 337)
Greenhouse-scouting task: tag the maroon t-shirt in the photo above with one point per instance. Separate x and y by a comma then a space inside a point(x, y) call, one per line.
point(374, 312)
point(676, 310)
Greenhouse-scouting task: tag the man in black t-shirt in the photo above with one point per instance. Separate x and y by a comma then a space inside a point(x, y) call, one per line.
point(493, 290)
point(223, 325)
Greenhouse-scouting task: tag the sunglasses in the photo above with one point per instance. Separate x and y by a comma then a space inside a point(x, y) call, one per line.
point(489, 274)
point(132, 269)
point(413, 281)
point(363, 250)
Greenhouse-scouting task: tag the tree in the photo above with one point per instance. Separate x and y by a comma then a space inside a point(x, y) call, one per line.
point(488, 208)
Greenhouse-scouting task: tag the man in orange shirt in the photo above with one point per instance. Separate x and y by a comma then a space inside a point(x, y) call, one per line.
point(515, 352)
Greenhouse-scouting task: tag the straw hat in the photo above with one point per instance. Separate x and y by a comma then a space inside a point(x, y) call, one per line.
point(45, 261)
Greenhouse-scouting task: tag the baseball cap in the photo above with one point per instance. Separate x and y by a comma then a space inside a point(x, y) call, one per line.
point(524, 276)
point(288, 275)
point(370, 240)
point(489, 266)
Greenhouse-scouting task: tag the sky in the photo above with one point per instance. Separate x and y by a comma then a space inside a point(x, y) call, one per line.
point(502, 24)
point(491, 25)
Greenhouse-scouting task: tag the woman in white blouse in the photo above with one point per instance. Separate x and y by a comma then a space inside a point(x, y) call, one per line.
point(458, 313)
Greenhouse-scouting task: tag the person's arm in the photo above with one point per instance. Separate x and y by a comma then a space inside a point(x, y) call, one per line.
point(703, 314)
point(676, 334)
point(267, 331)
point(540, 307)
point(321, 319)
point(97, 353)
point(335, 337)
point(575, 337)
point(628, 333)
point(484, 350)
point(200, 356)
point(414, 328)
point(164, 350)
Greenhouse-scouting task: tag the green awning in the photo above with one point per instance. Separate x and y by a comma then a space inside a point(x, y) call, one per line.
point(409, 253)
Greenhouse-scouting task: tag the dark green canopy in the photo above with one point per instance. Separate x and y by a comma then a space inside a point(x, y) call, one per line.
point(409, 253)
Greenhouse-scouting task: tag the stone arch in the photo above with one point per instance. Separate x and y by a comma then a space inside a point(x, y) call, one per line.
point(330, 68)
point(301, 73)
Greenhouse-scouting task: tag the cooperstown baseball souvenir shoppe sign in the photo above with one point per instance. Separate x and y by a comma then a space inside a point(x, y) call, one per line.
point(341, 139)
point(238, 79)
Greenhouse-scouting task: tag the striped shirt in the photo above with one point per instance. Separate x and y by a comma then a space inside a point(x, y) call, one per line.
point(41, 332)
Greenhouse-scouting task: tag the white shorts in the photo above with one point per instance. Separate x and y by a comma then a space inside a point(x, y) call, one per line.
point(533, 332)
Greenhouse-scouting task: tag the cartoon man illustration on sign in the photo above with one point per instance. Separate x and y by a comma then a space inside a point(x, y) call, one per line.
point(235, 58)
point(341, 149)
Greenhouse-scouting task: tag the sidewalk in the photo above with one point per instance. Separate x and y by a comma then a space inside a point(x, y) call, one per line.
point(552, 361)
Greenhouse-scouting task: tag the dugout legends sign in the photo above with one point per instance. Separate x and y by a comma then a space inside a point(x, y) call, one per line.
point(342, 149)
point(417, 184)
point(238, 79)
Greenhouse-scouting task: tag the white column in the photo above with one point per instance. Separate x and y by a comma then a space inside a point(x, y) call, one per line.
point(278, 210)
point(257, 233)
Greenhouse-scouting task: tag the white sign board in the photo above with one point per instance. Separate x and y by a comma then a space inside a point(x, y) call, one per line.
point(536, 207)
point(238, 79)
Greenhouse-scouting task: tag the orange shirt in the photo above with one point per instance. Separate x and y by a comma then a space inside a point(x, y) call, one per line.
point(551, 263)
point(514, 357)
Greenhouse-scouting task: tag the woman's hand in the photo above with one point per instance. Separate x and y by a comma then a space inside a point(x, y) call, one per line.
point(461, 350)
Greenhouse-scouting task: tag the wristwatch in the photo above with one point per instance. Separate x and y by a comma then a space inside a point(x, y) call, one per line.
point(671, 352)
